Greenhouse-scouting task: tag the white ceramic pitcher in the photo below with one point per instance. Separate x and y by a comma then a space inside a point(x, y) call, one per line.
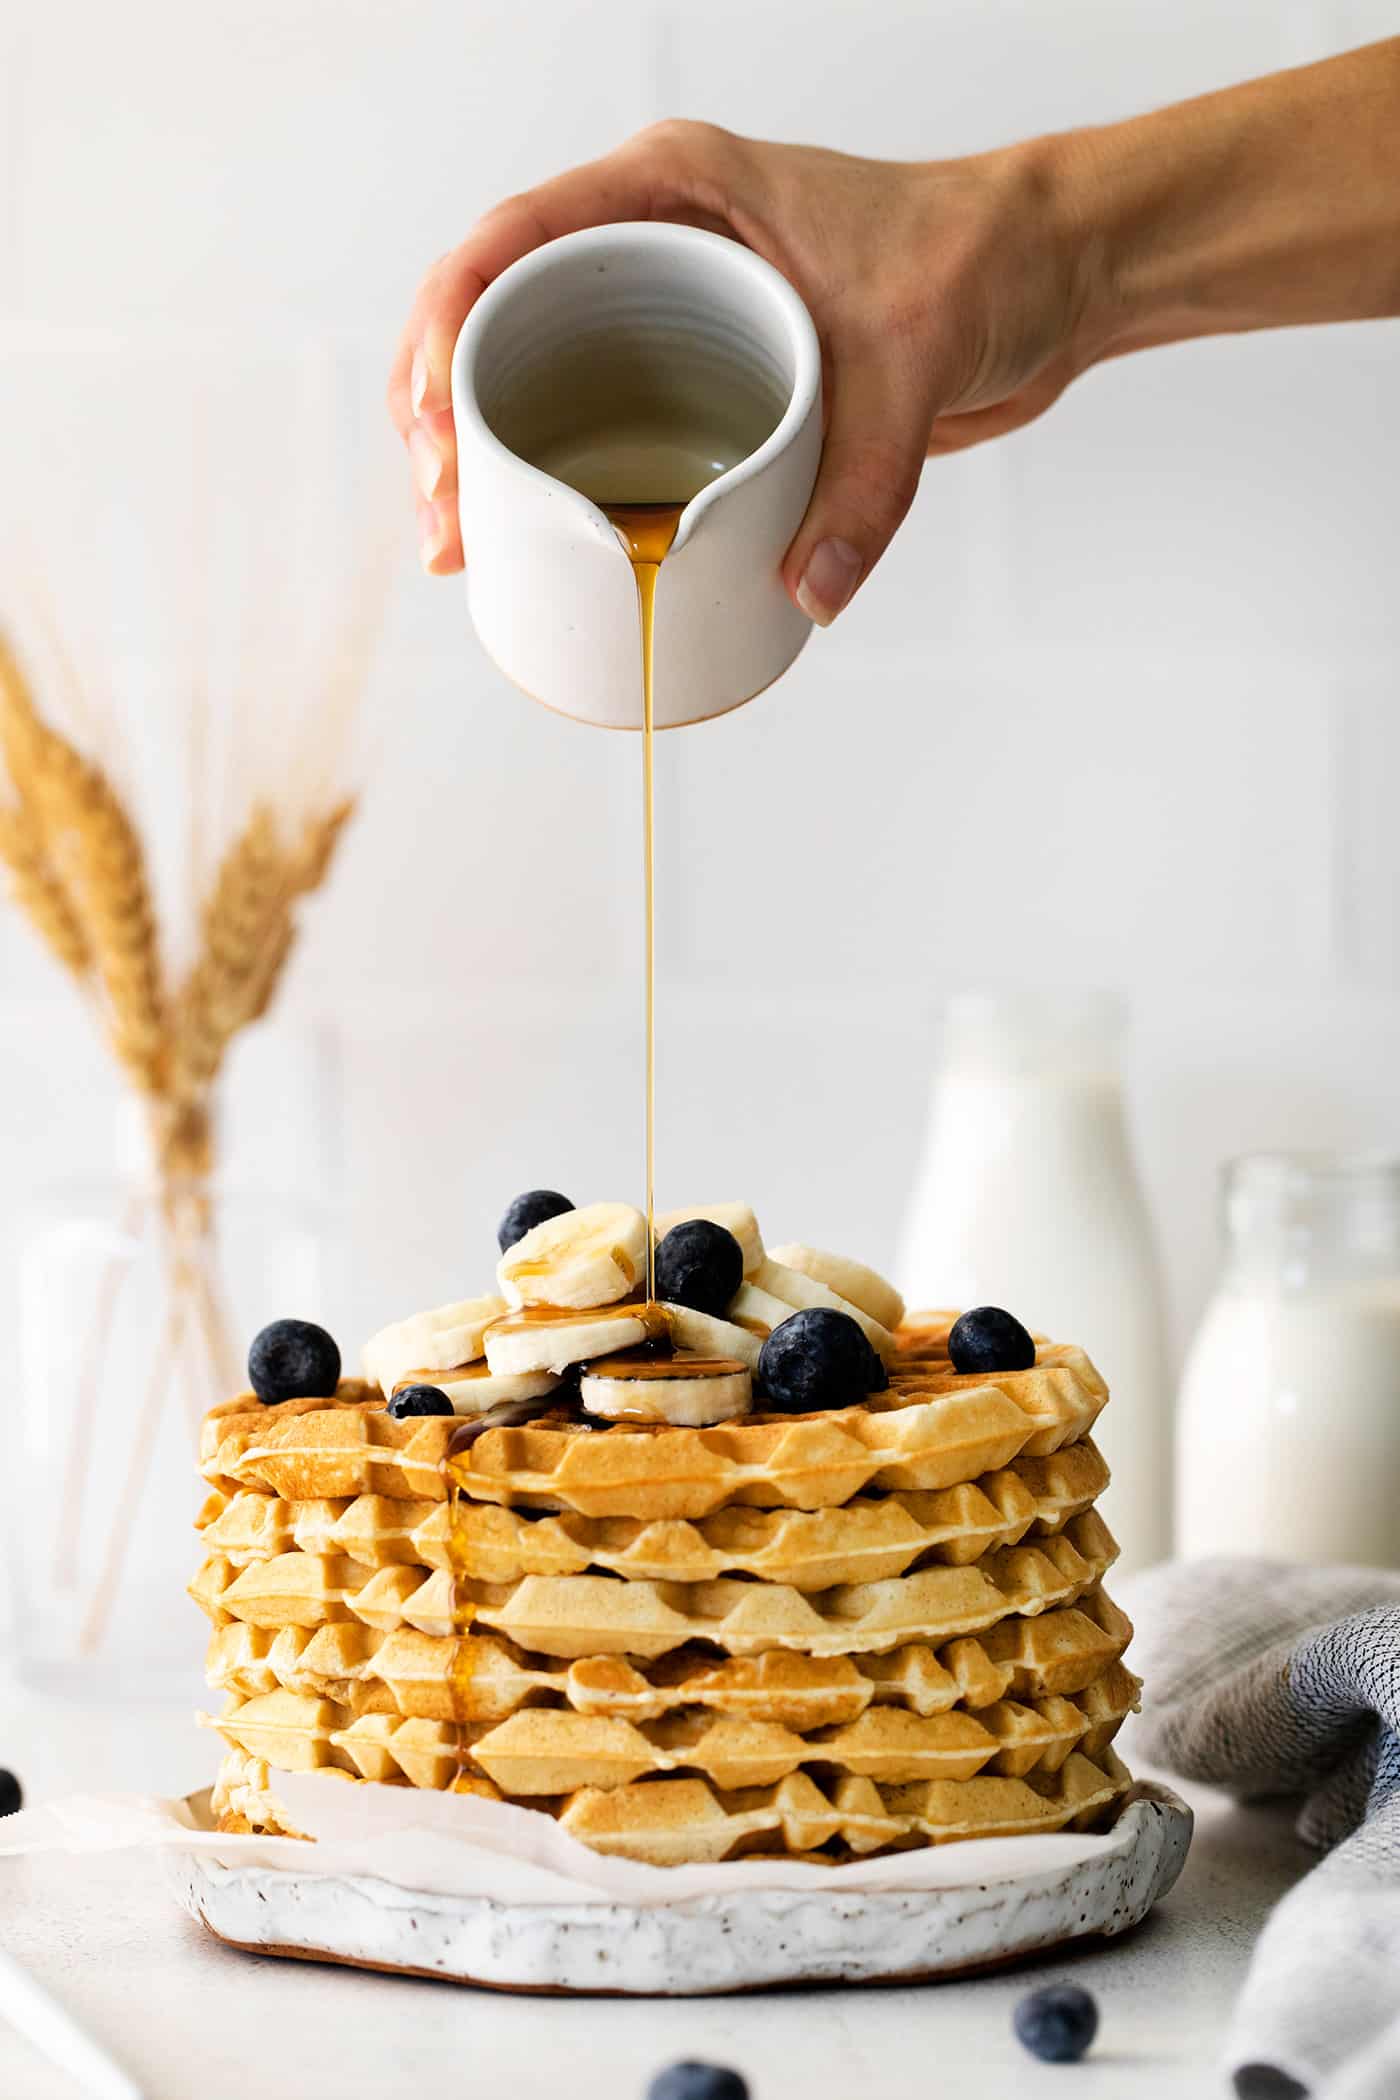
point(636, 351)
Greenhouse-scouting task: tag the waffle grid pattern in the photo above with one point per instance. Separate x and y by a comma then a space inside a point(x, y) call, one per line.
point(835, 1634)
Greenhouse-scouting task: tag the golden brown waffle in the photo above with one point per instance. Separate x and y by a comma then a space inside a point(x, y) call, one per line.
point(485, 1679)
point(670, 1822)
point(673, 1821)
point(585, 1615)
point(833, 1634)
point(375, 1530)
point(544, 1750)
point(346, 1445)
point(935, 1428)
point(310, 1589)
point(869, 1539)
point(243, 1796)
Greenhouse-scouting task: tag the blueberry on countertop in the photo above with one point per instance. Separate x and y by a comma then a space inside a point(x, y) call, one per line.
point(419, 1400)
point(1057, 2023)
point(528, 1211)
point(699, 1264)
point(693, 2081)
point(818, 1358)
point(988, 1339)
point(293, 1360)
point(11, 1794)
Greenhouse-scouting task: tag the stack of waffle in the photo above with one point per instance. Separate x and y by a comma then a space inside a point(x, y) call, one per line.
point(834, 1634)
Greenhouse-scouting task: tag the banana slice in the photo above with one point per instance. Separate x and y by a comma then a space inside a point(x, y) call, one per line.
point(800, 1293)
point(758, 1311)
point(541, 1338)
point(701, 1334)
point(689, 1392)
point(473, 1388)
point(431, 1341)
point(582, 1258)
point(734, 1217)
point(862, 1287)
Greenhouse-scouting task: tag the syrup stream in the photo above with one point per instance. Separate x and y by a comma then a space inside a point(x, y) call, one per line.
point(646, 530)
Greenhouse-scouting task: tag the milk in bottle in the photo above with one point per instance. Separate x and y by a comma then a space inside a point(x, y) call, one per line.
point(1028, 1197)
point(1288, 1440)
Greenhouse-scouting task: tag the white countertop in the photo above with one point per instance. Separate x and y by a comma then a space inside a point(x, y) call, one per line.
point(187, 2016)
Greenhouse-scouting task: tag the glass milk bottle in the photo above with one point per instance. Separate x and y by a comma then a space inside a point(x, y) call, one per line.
point(1028, 1197)
point(1288, 1441)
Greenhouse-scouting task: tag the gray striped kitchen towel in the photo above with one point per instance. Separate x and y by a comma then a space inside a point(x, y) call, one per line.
point(1268, 1679)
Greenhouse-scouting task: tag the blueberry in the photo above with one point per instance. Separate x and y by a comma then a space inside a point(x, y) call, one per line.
point(879, 1376)
point(818, 1358)
point(988, 1339)
point(1057, 2023)
point(11, 1794)
point(293, 1360)
point(419, 1400)
point(699, 1264)
point(527, 1212)
point(692, 2081)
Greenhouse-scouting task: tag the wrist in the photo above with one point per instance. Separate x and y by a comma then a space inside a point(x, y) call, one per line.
point(1080, 176)
point(1260, 206)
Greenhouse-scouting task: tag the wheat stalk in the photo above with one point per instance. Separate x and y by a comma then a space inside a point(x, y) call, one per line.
point(37, 890)
point(318, 846)
point(21, 731)
point(78, 869)
point(249, 929)
point(307, 868)
point(237, 921)
point(98, 852)
point(78, 872)
point(35, 883)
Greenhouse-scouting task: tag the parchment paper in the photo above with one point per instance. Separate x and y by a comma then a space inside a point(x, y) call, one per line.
point(459, 1845)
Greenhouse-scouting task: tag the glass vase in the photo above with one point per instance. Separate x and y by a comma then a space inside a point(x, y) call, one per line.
point(136, 1298)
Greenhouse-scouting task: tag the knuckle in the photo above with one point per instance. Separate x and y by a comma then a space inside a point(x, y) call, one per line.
point(683, 140)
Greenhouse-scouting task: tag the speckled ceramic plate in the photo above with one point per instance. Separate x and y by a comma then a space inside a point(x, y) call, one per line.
point(752, 1939)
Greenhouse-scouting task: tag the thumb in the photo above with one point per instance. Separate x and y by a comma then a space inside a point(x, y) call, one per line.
point(877, 433)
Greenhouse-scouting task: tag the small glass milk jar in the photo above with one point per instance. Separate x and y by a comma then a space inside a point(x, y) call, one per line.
point(1288, 1433)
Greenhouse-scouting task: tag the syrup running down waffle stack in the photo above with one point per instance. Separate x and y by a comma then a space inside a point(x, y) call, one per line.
point(832, 1633)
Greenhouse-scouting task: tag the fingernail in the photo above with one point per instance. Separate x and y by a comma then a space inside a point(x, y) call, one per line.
point(432, 531)
point(427, 461)
point(831, 575)
point(418, 379)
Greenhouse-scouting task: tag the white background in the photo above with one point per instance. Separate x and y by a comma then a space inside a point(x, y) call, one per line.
point(1120, 707)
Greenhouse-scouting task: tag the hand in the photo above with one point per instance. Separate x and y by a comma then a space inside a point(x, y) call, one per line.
point(945, 296)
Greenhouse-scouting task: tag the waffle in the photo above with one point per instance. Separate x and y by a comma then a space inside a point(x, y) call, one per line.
point(869, 1539)
point(484, 1679)
point(869, 1628)
point(935, 1428)
point(552, 1751)
point(670, 1822)
point(582, 1615)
